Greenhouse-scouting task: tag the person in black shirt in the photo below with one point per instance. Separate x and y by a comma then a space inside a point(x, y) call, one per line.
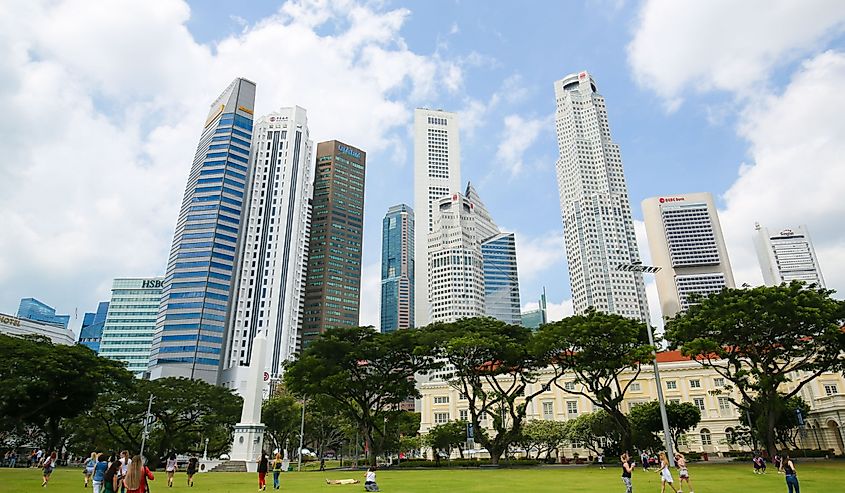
point(191, 470)
point(791, 476)
point(262, 471)
point(627, 469)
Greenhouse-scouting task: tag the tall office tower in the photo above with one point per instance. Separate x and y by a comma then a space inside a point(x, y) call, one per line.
point(333, 292)
point(787, 255)
point(533, 319)
point(32, 309)
point(455, 262)
point(91, 332)
point(397, 269)
point(485, 227)
point(198, 286)
point(131, 322)
point(501, 281)
point(686, 242)
point(597, 223)
point(270, 284)
point(437, 174)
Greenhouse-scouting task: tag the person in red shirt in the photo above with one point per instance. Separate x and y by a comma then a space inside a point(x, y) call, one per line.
point(137, 476)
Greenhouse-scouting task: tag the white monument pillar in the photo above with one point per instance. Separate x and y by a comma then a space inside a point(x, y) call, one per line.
point(249, 433)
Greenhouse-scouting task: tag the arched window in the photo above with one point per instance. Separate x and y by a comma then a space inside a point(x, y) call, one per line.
point(706, 438)
point(729, 435)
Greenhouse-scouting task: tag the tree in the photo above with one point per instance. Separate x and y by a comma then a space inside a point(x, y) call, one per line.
point(597, 348)
point(444, 437)
point(545, 435)
point(186, 413)
point(281, 415)
point(324, 428)
point(787, 426)
point(362, 372)
point(493, 368)
point(761, 339)
point(596, 431)
point(42, 384)
point(682, 416)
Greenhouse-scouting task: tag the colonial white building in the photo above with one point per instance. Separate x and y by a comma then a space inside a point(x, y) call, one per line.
point(686, 242)
point(437, 174)
point(596, 211)
point(683, 381)
point(787, 255)
point(269, 289)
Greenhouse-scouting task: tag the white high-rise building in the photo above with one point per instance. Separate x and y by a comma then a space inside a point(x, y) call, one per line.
point(787, 255)
point(686, 242)
point(131, 321)
point(437, 174)
point(598, 227)
point(269, 289)
point(455, 262)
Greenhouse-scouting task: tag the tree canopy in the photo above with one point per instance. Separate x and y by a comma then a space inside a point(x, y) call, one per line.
point(682, 416)
point(761, 339)
point(597, 348)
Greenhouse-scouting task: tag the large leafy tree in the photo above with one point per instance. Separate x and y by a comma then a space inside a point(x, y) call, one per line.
point(597, 349)
point(492, 366)
point(443, 438)
point(546, 436)
point(595, 431)
point(186, 412)
point(43, 384)
point(682, 416)
point(363, 373)
point(282, 414)
point(761, 339)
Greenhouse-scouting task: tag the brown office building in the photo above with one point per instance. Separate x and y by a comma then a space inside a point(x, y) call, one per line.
point(333, 280)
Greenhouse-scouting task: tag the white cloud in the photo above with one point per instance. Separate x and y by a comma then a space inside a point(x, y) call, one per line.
point(723, 44)
point(518, 135)
point(559, 311)
point(475, 111)
point(538, 254)
point(108, 105)
point(370, 296)
point(797, 169)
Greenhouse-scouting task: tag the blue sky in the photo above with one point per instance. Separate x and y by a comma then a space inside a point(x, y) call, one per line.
point(694, 98)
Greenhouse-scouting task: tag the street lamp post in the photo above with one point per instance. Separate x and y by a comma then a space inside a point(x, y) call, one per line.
point(667, 436)
point(301, 436)
point(205, 450)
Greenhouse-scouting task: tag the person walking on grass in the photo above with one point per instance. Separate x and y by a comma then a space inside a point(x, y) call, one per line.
point(137, 475)
point(110, 478)
point(683, 472)
point(170, 469)
point(88, 469)
point(47, 470)
point(627, 469)
point(644, 460)
point(277, 469)
point(790, 474)
point(665, 474)
point(191, 470)
point(100, 472)
point(600, 461)
point(263, 466)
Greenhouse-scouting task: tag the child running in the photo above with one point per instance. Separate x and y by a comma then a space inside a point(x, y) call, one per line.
point(665, 474)
point(627, 469)
point(683, 472)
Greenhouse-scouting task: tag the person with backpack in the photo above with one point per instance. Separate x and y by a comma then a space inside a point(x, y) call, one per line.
point(137, 475)
point(47, 470)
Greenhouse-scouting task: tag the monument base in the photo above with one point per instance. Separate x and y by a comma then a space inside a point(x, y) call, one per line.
point(247, 444)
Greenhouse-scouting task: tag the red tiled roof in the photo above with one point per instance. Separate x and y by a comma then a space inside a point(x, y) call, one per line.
point(671, 357)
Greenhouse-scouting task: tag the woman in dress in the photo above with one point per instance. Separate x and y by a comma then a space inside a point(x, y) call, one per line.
point(137, 475)
point(683, 472)
point(665, 474)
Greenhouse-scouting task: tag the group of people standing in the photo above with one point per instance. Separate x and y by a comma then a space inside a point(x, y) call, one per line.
point(665, 472)
point(113, 474)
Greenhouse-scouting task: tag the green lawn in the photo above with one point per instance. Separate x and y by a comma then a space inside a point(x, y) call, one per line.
point(815, 477)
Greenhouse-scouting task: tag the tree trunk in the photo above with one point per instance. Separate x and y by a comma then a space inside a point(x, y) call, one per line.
point(770, 439)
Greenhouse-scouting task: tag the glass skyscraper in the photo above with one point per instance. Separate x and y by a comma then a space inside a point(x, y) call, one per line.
point(32, 309)
point(92, 327)
point(397, 269)
point(501, 282)
point(131, 320)
point(198, 286)
point(333, 289)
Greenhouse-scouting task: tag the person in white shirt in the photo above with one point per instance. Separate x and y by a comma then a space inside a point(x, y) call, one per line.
point(170, 469)
point(370, 480)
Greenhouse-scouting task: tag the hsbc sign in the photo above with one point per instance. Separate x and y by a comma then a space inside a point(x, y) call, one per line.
point(664, 200)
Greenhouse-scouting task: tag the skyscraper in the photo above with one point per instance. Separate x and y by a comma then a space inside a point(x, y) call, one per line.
point(198, 286)
point(32, 309)
point(91, 332)
point(270, 275)
point(131, 321)
point(397, 269)
point(455, 263)
point(533, 319)
point(501, 280)
point(596, 211)
point(437, 174)
point(787, 255)
point(333, 291)
point(686, 242)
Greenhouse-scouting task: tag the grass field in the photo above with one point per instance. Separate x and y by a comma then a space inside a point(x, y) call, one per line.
point(815, 477)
